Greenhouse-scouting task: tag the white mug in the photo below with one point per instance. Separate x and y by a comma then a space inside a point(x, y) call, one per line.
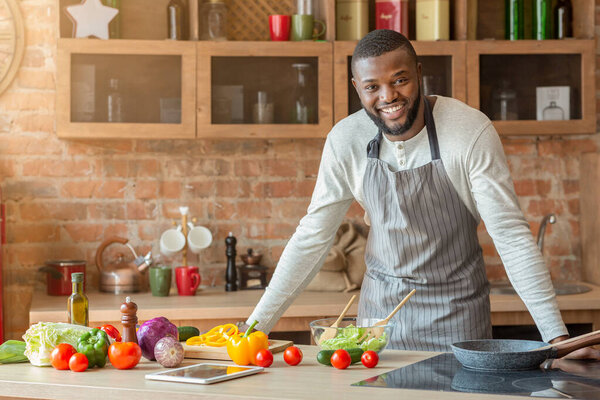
point(172, 241)
point(199, 238)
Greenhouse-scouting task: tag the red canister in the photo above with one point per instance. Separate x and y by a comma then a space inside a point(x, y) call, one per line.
point(392, 14)
point(58, 276)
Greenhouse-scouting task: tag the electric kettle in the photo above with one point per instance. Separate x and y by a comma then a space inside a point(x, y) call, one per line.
point(123, 276)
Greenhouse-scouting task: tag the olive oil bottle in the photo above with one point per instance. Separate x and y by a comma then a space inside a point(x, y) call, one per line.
point(77, 305)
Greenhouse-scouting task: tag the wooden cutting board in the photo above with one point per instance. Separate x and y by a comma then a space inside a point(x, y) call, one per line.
point(220, 353)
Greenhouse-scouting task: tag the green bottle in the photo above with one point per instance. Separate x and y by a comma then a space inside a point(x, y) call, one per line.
point(77, 304)
point(114, 27)
point(541, 19)
point(514, 20)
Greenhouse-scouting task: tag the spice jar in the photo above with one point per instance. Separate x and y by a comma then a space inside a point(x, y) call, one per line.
point(214, 19)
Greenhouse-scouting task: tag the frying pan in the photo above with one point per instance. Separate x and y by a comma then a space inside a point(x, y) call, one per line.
point(507, 354)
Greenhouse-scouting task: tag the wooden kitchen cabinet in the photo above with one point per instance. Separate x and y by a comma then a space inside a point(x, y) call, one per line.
point(155, 89)
point(499, 72)
point(230, 76)
point(442, 62)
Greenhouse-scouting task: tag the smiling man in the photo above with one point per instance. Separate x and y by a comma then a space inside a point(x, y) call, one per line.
point(427, 170)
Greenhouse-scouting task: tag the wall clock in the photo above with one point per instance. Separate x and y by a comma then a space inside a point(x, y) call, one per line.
point(12, 41)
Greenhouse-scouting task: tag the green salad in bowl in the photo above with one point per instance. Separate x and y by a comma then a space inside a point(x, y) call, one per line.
point(350, 334)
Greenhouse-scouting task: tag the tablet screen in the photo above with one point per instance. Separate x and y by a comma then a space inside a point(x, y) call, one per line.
point(205, 371)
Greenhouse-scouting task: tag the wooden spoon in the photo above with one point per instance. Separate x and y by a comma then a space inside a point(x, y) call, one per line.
point(376, 331)
point(331, 331)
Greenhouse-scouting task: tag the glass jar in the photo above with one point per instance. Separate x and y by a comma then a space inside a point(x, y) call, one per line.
point(303, 106)
point(505, 103)
point(514, 20)
point(176, 20)
point(214, 20)
point(563, 12)
point(304, 7)
point(115, 102)
point(553, 112)
point(262, 112)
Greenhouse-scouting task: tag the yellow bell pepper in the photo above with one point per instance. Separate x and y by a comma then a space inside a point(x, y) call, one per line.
point(216, 337)
point(243, 349)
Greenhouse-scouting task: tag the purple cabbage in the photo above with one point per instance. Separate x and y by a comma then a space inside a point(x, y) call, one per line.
point(151, 332)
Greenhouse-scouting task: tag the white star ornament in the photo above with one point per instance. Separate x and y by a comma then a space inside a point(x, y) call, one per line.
point(91, 18)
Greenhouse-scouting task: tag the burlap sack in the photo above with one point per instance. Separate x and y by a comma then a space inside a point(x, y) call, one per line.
point(344, 266)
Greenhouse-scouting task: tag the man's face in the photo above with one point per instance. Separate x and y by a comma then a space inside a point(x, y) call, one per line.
point(389, 89)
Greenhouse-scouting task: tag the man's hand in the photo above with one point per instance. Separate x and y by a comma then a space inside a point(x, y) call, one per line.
point(587, 353)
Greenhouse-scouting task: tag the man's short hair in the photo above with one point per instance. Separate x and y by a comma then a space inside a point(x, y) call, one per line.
point(381, 41)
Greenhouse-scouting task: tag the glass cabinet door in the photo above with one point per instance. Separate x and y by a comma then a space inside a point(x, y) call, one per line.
point(148, 92)
point(268, 89)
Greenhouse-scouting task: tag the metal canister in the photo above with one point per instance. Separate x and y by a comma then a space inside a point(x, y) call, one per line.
point(58, 278)
point(352, 19)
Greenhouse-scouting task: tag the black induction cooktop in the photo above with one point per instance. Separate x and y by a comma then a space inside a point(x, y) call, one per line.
point(444, 373)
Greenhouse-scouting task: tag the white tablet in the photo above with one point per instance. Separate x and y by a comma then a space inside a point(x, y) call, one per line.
point(204, 373)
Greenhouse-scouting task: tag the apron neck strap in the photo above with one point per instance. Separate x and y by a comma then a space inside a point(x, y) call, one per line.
point(375, 143)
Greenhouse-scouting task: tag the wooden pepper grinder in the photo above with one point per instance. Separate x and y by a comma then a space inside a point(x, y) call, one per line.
point(129, 320)
point(230, 272)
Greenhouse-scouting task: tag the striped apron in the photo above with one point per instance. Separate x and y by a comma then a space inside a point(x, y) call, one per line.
point(422, 237)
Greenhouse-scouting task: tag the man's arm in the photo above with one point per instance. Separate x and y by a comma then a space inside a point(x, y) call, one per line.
point(306, 251)
point(493, 191)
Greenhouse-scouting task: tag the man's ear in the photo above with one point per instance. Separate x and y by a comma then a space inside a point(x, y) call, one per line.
point(354, 84)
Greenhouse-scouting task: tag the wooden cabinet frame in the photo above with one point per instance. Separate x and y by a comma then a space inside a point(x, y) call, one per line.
point(343, 49)
point(321, 50)
point(586, 48)
point(67, 129)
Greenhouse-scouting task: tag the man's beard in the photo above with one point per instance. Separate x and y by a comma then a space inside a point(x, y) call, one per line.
point(411, 116)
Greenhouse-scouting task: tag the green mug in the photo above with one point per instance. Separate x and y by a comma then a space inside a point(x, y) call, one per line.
point(303, 26)
point(160, 280)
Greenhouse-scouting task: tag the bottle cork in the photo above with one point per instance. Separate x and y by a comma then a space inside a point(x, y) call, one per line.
point(129, 320)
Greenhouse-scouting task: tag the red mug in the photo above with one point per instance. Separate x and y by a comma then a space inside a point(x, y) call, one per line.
point(279, 27)
point(188, 280)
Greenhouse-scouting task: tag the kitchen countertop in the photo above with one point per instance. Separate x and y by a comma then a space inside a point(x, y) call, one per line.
point(213, 306)
point(308, 380)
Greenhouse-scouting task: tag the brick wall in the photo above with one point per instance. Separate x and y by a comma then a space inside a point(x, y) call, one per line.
point(64, 197)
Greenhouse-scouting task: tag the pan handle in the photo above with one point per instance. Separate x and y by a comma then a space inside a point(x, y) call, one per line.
point(567, 346)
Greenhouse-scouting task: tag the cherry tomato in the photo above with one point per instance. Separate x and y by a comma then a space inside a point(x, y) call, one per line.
point(124, 355)
point(60, 356)
point(264, 358)
point(292, 355)
point(78, 362)
point(341, 359)
point(369, 359)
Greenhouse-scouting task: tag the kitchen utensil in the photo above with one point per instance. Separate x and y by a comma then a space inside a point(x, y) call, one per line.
point(376, 331)
point(122, 276)
point(220, 353)
point(508, 354)
point(573, 339)
point(330, 332)
point(58, 275)
point(279, 27)
point(172, 241)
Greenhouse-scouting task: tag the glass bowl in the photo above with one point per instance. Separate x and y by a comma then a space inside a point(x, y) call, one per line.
point(350, 335)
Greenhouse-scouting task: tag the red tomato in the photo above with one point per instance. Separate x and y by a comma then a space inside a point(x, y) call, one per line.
point(341, 359)
point(61, 354)
point(78, 362)
point(124, 355)
point(369, 359)
point(264, 358)
point(292, 355)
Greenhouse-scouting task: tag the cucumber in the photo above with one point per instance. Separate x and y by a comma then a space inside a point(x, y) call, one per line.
point(186, 332)
point(324, 356)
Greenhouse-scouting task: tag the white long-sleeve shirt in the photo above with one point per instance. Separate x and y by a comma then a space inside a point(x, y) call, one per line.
point(474, 159)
